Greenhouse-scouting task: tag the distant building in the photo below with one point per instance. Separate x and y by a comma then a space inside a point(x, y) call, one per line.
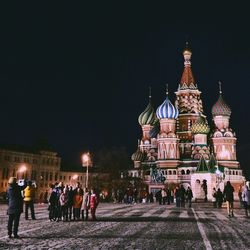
point(177, 140)
point(43, 167)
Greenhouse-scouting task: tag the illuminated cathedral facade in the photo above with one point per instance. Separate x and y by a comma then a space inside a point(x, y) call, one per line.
point(178, 146)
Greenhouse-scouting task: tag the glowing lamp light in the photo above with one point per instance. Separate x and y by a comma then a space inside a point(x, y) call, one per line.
point(75, 177)
point(85, 159)
point(22, 169)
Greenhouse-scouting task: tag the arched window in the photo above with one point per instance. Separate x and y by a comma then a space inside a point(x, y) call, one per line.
point(188, 171)
point(170, 172)
point(182, 172)
point(174, 172)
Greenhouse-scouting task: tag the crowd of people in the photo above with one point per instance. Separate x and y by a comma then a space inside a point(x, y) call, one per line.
point(67, 203)
point(71, 204)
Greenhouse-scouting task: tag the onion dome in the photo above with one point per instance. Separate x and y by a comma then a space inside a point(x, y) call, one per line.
point(200, 126)
point(138, 155)
point(167, 110)
point(220, 108)
point(147, 117)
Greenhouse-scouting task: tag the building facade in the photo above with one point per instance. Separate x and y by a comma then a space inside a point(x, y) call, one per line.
point(42, 167)
point(177, 140)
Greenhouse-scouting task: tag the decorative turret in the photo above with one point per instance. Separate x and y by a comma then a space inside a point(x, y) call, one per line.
point(200, 129)
point(189, 104)
point(168, 147)
point(167, 113)
point(138, 156)
point(223, 138)
point(147, 117)
point(221, 112)
point(200, 126)
point(187, 79)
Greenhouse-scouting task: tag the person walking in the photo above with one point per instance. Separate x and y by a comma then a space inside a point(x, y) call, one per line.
point(246, 199)
point(214, 198)
point(228, 195)
point(29, 196)
point(15, 206)
point(219, 198)
point(94, 201)
point(177, 197)
point(85, 204)
point(189, 196)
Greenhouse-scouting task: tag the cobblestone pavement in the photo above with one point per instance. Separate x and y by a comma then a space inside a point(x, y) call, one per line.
point(140, 226)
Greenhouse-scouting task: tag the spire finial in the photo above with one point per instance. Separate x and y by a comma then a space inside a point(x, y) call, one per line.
point(138, 143)
point(150, 93)
point(220, 87)
point(167, 89)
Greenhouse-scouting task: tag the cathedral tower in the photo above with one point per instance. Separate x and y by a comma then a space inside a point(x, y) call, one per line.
point(223, 138)
point(168, 143)
point(189, 105)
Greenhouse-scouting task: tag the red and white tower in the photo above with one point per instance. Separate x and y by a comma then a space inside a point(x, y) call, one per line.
point(223, 138)
point(189, 104)
point(168, 143)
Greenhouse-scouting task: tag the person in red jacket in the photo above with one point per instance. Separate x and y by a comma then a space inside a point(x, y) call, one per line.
point(77, 203)
point(94, 201)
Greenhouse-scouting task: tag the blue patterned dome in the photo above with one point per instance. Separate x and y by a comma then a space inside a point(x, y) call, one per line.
point(167, 110)
point(147, 117)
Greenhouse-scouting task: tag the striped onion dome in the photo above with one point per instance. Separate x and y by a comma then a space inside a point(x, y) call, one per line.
point(138, 155)
point(147, 117)
point(220, 108)
point(167, 110)
point(200, 126)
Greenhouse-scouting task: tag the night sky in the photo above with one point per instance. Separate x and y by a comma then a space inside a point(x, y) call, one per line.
point(79, 74)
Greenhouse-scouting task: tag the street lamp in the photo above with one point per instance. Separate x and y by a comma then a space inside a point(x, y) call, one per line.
point(85, 162)
point(22, 169)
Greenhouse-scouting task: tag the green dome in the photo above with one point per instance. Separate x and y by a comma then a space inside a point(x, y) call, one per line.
point(138, 155)
point(200, 126)
point(147, 117)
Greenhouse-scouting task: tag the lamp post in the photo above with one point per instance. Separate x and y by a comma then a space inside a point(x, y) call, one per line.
point(85, 162)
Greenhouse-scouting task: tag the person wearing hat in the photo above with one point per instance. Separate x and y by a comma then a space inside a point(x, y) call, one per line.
point(15, 206)
point(29, 195)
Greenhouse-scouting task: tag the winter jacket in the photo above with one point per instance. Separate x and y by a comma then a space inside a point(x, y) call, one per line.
point(229, 193)
point(29, 193)
point(93, 201)
point(63, 199)
point(15, 199)
point(246, 195)
point(77, 201)
point(86, 201)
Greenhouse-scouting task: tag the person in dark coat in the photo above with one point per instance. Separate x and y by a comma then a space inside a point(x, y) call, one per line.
point(189, 196)
point(15, 206)
point(229, 197)
point(219, 198)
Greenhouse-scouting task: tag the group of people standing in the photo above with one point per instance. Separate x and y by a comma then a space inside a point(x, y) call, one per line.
point(63, 200)
point(67, 203)
point(180, 194)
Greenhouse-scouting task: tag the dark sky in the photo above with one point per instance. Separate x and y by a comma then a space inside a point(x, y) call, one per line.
point(79, 74)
